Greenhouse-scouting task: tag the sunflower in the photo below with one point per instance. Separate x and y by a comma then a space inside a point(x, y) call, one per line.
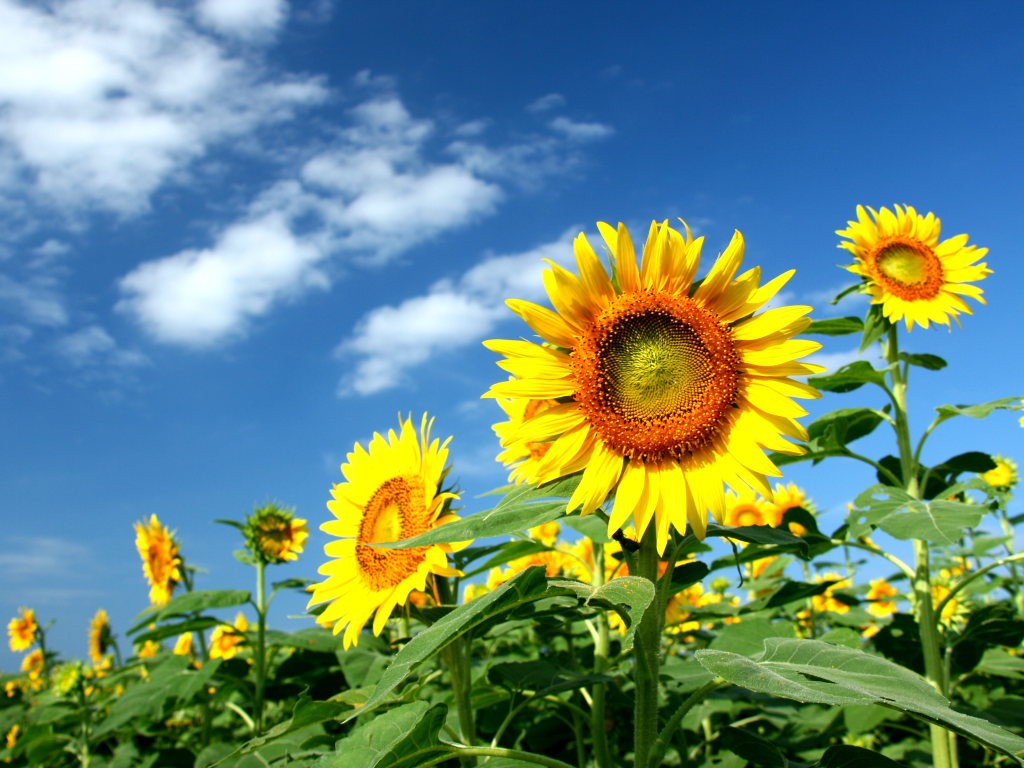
point(275, 535)
point(160, 560)
point(907, 270)
point(666, 388)
point(789, 497)
point(183, 645)
point(225, 640)
point(100, 638)
point(23, 629)
point(518, 454)
point(746, 508)
point(880, 595)
point(1003, 475)
point(392, 491)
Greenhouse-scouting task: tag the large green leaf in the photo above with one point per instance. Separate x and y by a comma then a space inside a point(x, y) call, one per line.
point(192, 602)
point(522, 507)
point(400, 738)
point(812, 671)
point(928, 362)
point(629, 596)
point(848, 756)
point(521, 589)
point(848, 378)
point(980, 410)
point(938, 521)
point(305, 713)
point(833, 431)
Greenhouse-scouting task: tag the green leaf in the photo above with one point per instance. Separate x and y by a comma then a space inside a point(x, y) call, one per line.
point(753, 748)
point(875, 326)
point(629, 596)
point(747, 637)
point(192, 602)
point(506, 553)
point(848, 756)
point(400, 738)
point(929, 362)
point(999, 662)
point(523, 507)
point(833, 431)
point(812, 671)
point(316, 639)
point(521, 589)
point(981, 410)
point(836, 326)
point(305, 713)
point(540, 677)
point(899, 514)
point(848, 378)
point(759, 534)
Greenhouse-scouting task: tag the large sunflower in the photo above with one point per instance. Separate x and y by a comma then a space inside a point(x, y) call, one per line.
point(907, 270)
point(667, 388)
point(392, 491)
point(161, 562)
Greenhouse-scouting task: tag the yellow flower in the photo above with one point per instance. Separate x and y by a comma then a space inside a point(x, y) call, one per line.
point(908, 271)
point(148, 649)
point(33, 665)
point(12, 735)
point(1003, 475)
point(879, 594)
point(11, 688)
point(224, 640)
point(67, 677)
point(827, 600)
point(22, 630)
point(183, 645)
point(666, 388)
point(746, 508)
point(161, 562)
point(789, 497)
point(392, 491)
point(275, 535)
point(99, 636)
point(546, 533)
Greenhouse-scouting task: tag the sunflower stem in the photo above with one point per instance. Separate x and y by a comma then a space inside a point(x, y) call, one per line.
point(261, 642)
point(648, 657)
point(456, 656)
point(602, 645)
point(943, 744)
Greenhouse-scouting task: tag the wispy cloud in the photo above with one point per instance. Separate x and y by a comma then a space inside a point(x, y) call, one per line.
point(30, 558)
point(546, 103)
point(246, 19)
point(580, 131)
point(833, 361)
point(390, 340)
point(92, 346)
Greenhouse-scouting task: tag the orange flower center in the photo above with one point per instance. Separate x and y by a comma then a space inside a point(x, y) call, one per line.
point(906, 268)
point(656, 375)
point(395, 511)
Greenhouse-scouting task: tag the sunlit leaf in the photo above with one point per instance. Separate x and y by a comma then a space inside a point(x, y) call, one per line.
point(938, 521)
point(848, 378)
point(402, 737)
point(836, 326)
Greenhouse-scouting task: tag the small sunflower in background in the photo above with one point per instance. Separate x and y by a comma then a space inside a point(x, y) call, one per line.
point(100, 637)
point(225, 640)
point(393, 490)
point(667, 388)
point(161, 561)
point(22, 630)
point(908, 271)
point(1003, 475)
point(274, 535)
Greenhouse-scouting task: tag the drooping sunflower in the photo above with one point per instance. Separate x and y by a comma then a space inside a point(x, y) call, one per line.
point(667, 388)
point(161, 562)
point(100, 638)
point(908, 271)
point(392, 491)
point(22, 630)
point(274, 535)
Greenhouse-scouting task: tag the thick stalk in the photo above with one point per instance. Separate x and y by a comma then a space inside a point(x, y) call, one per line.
point(602, 644)
point(647, 650)
point(455, 656)
point(927, 622)
point(260, 656)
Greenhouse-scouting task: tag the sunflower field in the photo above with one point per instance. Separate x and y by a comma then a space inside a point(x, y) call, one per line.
point(647, 591)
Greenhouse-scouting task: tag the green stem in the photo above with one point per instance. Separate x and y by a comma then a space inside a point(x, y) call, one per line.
point(602, 646)
point(943, 746)
point(260, 660)
point(976, 575)
point(648, 657)
point(514, 754)
point(456, 656)
point(665, 738)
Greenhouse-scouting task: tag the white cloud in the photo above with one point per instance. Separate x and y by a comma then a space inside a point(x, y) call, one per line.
point(93, 346)
point(27, 558)
point(243, 18)
point(546, 103)
point(580, 131)
point(390, 340)
point(203, 297)
point(833, 361)
point(35, 301)
point(106, 101)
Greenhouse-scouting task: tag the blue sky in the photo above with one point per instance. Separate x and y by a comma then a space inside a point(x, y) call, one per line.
point(237, 236)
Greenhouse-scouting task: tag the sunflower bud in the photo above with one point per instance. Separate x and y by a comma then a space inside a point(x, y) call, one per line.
point(274, 535)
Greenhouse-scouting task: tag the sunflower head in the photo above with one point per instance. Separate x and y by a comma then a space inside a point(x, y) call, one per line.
point(881, 594)
point(907, 270)
point(161, 562)
point(661, 389)
point(1004, 475)
point(274, 535)
point(747, 509)
point(100, 637)
point(393, 490)
point(225, 640)
point(22, 630)
point(183, 645)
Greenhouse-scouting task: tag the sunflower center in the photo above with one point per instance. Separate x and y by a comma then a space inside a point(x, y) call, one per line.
point(908, 268)
point(656, 375)
point(395, 511)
